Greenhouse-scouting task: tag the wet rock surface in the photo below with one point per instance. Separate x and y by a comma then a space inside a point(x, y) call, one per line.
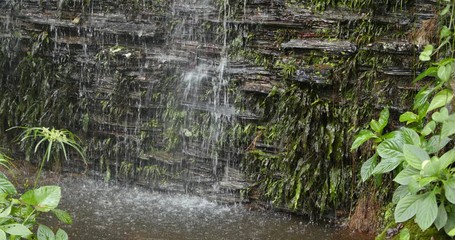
point(158, 90)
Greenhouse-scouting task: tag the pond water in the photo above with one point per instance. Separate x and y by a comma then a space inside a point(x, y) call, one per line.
point(103, 211)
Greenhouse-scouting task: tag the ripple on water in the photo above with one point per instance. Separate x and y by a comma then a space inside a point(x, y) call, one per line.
point(103, 211)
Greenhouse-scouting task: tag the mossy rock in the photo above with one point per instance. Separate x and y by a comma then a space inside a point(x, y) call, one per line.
point(414, 230)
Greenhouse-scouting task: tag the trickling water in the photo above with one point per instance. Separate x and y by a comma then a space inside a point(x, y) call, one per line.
point(107, 212)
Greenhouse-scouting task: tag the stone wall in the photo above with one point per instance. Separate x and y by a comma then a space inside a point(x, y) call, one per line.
point(210, 97)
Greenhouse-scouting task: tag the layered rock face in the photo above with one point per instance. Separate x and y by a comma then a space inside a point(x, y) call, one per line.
point(213, 97)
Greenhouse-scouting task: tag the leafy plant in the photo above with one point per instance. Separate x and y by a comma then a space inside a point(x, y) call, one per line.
point(19, 213)
point(418, 152)
point(55, 141)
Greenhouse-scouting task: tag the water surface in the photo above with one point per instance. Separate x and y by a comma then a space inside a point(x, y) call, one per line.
point(103, 211)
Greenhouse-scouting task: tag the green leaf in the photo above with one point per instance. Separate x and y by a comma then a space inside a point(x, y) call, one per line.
point(431, 167)
point(406, 208)
point(399, 193)
point(410, 136)
point(404, 234)
point(391, 148)
point(5, 213)
point(448, 129)
point(449, 228)
point(441, 219)
point(405, 176)
point(45, 233)
point(409, 117)
point(63, 216)
point(367, 167)
point(44, 198)
point(16, 229)
point(447, 159)
point(61, 235)
point(444, 72)
point(362, 137)
point(6, 186)
point(2, 235)
point(383, 118)
point(444, 12)
point(425, 55)
point(429, 128)
point(427, 211)
point(414, 186)
point(415, 156)
point(422, 98)
point(375, 126)
point(440, 99)
point(431, 71)
point(427, 180)
point(441, 115)
point(449, 192)
point(436, 143)
point(387, 165)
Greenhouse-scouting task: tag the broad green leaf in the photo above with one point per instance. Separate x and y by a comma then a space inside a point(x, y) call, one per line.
point(64, 216)
point(449, 192)
point(431, 71)
point(45, 233)
point(398, 135)
point(431, 167)
point(391, 148)
point(399, 193)
point(7, 187)
point(429, 128)
point(405, 175)
point(428, 49)
point(447, 159)
point(444, 72)
point(404, 234)
point(409, 117)
point(441, 219)
point(436, 143)
point(5, 213)
point(406, 208)
point(445, 31)
point(367, 167)
point(383, 118)
point(375, 126)
point(427, 180)
point(61, 235)
point(414, 185)
point(421, 98)
point(44, 198)
point(441, 115)
point(16, 229)
point(449, 228)
point(440, 99)
point(448, 129)
point(424, 57)
point(362, 137)
point(410, 136)
point(2, 235)
point(423, 110)
point(387, 165)
point(427, 211)
point(445, 61)
point(444, 12)
point(415, 156)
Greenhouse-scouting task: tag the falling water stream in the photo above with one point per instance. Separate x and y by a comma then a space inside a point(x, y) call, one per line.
point(114, 212)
